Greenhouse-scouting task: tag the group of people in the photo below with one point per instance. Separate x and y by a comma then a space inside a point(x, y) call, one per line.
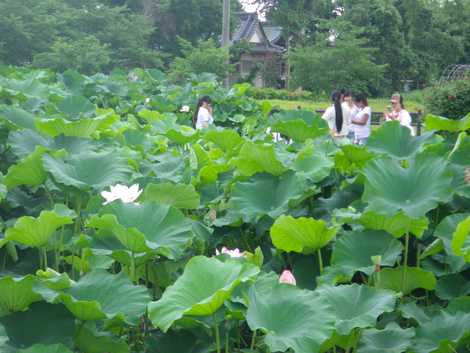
point(349, 117)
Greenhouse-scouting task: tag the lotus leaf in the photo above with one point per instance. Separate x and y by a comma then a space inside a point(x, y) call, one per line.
point(441, 332)
point(390, 188)
point(301, 235)
point(439, 123)
point(145, 227)
point(353, 251)
point(29, 171)
point(75, 106)
point(16, 294)
point(40, 348)
point(265, 194)
point(291, 318)
point(258, 158)
point(36, 232)
point(396, 141)
point(204, 286)
point(392, 278)
point(91, 170)
point(88, 340)
point(101, 295)
point(27, 328)
point(85, 128)
point(178, 195)
point(356, 306)
point(398, 224)
point(392, 339)
point(461, 240)
point(18, 117)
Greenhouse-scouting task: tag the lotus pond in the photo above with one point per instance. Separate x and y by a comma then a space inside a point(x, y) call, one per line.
point(123, 230)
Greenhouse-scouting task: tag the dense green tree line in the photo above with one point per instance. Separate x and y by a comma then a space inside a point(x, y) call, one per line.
point(375, 45)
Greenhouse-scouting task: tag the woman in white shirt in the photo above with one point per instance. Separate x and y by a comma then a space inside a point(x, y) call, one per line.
point(348, 111)
point(203, 115)
point(399, 113)
point(334, 116)
point(362, 119)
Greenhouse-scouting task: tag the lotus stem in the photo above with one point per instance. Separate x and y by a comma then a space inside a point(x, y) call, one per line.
point(253, 341)
point(405, 264)
point(226, 342)
point(217, 335)
point(320, 261)
point(133, 268)
point(44, 254)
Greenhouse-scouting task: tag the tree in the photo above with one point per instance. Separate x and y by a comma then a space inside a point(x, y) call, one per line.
point(344, 62)
point(206, 57)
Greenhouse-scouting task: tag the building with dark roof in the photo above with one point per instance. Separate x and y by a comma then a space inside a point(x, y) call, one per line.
point(263, 61)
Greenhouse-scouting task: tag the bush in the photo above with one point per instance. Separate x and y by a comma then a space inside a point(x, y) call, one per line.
point(451, 100)
point(279, 94)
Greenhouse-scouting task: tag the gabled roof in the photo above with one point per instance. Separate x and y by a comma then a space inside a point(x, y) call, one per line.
point(249, 22)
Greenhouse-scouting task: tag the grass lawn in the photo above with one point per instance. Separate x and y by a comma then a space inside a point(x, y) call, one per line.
point(377, 105)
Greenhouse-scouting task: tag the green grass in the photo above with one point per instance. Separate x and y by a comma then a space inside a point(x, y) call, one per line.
point(377, 105)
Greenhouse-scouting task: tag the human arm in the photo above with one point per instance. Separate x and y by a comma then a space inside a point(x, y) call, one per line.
point(362, 117)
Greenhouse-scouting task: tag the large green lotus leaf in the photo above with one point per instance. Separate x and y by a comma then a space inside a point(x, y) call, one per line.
point(434, 122)
point(182, 135)
point(40, 348)
point(291, 318)
point(90, 170)
point(204, 286)
point(452, 286)
point(444, 232)
point(29, 171)
point(258, 158)
point(398, 224)
point(353, 251)
point(226, 139)
point(27, 328)
point(16, 294)
point(312, 166)
point(461, 239)
point(392, 278)
point(147, 226)
point(36, 232)
point(356, 306)
point(101, 295)
point(75, 106)
point(441, 332)
point(18, 117)
point(3, 191)
point(396, 141)
point(24, 142)
point(178, 195)
point(78, 128)
point(88, 340)
point(301, 235)
point(460, 160)
point(181, 341)
point(352, 158)
point(265, 194)
point(299, 125)
point(392, 339)
point(169, 166)
point(390, 188)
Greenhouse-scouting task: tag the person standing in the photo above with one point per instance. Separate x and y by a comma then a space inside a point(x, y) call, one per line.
point(362, 119)
point(334, 116)
point(348, 111)
point(202, 118)
point(398, 112)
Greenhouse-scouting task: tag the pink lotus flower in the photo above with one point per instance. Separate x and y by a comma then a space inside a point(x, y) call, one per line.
point(235, 253)
point(287, 277)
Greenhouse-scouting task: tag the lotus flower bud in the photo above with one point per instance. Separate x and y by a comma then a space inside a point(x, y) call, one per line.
point(377, 260)
point(288, 278)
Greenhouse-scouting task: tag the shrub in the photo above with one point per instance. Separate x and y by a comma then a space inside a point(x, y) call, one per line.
point(451, 100)
point(279, 94)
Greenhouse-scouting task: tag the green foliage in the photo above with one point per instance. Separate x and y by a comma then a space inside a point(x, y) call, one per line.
point(189, 258)
point(334, 64)
point(204, 58)
point(451, 100)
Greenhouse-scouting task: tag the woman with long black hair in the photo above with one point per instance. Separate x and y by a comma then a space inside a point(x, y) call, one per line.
point(202, 117)
point(339, 126)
